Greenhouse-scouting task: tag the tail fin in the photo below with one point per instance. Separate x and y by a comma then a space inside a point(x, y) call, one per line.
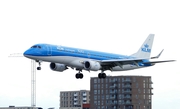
point(145, 50)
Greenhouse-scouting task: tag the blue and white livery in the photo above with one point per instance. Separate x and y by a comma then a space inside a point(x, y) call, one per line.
point(61, 58)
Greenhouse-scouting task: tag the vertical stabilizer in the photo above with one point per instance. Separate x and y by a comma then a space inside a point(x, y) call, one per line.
point(145, 50)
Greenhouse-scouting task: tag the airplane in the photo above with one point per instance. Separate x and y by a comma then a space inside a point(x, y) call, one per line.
point(61, 58)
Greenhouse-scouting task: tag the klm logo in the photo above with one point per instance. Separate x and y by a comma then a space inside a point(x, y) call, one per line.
point(146, 48)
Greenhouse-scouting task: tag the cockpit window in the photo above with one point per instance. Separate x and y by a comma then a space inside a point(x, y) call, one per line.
point(36, 46)
point(39, 46)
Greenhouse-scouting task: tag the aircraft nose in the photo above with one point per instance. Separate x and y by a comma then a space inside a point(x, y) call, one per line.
point(27, 52)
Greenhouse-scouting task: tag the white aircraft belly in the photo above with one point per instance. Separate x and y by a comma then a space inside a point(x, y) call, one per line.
point(124, 67)
point(67, 60)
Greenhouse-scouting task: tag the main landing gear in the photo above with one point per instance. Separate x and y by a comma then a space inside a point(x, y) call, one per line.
point(39, 68)
point(79, 75)
point(102, 75)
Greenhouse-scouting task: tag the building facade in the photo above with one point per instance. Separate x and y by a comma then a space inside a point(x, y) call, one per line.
point(121, 92)
point(23, 107)
point(86, 106)
point(74, 99)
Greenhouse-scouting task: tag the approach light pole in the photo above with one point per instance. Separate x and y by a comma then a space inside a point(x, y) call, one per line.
point(33, 78)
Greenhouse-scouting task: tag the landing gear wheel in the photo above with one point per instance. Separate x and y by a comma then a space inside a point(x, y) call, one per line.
point(79, 76)
point(39, 62)
point(38, 68)
point(101, 75)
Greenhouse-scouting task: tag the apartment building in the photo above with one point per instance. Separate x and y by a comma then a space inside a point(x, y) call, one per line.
point(74, 99)
point(121, 92)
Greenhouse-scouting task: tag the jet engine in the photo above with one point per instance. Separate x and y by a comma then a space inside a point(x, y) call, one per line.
point(92, 65)
point(57, 67)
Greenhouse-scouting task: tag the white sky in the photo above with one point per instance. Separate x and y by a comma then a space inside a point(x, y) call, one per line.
point(105, 25)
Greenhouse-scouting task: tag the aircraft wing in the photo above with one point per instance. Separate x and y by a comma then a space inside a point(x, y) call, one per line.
point(123, 60)
point(108, 64)
point(154, 62)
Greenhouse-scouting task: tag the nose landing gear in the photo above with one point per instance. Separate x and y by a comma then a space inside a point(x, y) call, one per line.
point(39, 68)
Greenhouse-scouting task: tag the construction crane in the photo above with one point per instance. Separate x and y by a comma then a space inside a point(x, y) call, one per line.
point(33, 78)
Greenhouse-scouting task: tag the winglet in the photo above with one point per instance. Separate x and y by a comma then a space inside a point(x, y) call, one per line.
point(157, 55)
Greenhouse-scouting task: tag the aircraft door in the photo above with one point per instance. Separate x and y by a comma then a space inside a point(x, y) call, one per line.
point(88, 55)
point(49, 50)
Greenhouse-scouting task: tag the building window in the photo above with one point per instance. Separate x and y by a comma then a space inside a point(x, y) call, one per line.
point(143, 85)
point(99, 91)
point(146, 85)
point(95, 91)
point(139, 90)
point(102, 97)
point(137, 85)
point(144, 80)
point(122, 79)
point(95, 102)
point(136, 96)
point(150, 86)
point(98, 102)
point(119, 85)
point(119, 90)
point(106, 91)
point(107, 96)
point(99, 97)
point(102, 80)
point(95, 97)
point(106, 80)
point(114, 79)
point(119, 79)
point(106, 85)
point(98, 86)
point(102, 103)
point(106, 101)
point(95, 80)
point(134, 79)
point(98, 80)
point(95, 86)
point(149, 80)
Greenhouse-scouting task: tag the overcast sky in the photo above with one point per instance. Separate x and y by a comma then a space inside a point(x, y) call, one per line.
point(114, 26)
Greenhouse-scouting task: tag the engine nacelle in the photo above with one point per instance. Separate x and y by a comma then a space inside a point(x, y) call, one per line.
point(92, 65)
point(58, 67)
